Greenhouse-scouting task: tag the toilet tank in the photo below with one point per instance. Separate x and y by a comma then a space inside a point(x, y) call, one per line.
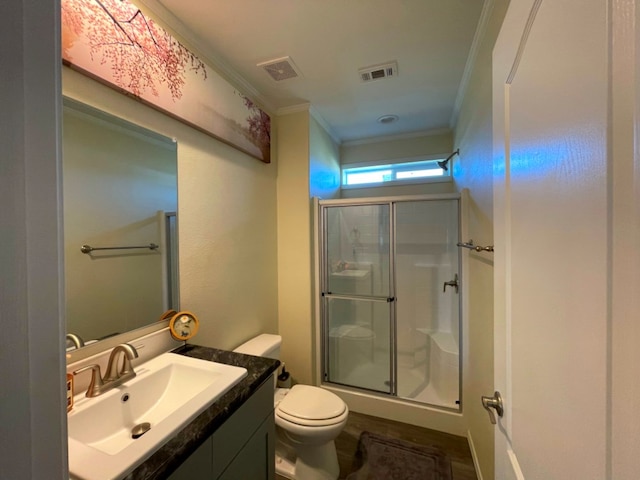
point(265, 345)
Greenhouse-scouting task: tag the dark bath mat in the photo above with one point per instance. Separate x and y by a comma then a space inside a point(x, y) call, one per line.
point(383, 458)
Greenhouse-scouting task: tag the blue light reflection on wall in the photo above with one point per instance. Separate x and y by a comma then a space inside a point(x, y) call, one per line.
point(575, 155)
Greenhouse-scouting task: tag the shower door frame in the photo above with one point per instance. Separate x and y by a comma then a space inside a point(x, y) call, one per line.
point(322, 326)
point(324, 280)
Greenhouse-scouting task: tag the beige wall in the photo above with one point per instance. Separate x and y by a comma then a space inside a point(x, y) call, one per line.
point(227, 223)
point(473, 170)
point(294, 245)
point(308, 166)
point(324, 162)
point(396, 148)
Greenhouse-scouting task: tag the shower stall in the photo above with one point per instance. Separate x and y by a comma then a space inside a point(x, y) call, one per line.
point(390, 296)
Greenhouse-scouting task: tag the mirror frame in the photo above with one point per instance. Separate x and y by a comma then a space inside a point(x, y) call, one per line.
point(110, 342)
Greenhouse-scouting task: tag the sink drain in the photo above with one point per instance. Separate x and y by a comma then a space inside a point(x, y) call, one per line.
point(140, 429)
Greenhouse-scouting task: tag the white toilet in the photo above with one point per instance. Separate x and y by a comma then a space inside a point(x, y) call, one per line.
point(308, 419)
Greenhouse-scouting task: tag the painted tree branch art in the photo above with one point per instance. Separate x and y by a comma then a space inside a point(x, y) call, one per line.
point(115, 43)
point(259, 127)
point(142, 56)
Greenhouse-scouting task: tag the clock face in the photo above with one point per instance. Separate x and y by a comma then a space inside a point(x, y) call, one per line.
point(183, 325)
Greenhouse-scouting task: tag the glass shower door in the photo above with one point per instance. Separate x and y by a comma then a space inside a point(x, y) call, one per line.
point(357, 296)
point(427, 310)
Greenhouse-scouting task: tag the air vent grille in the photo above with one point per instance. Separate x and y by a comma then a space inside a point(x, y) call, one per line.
point(280, 68)
point(378, 72)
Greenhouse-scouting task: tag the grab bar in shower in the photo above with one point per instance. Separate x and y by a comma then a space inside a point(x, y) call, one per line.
point(477, 248)
point(88, 249)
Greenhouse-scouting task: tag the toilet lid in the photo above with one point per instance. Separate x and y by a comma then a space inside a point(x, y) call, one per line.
point(311, 403)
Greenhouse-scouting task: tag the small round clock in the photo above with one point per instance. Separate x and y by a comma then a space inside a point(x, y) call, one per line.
point(183, 325)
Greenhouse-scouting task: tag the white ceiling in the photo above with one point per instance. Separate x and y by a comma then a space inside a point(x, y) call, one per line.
point(329, 40)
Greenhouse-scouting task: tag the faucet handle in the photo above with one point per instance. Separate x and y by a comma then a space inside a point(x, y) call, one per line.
point(95, 385)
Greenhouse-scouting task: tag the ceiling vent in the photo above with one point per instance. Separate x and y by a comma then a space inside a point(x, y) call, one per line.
point(378, 72)
point(280, 69)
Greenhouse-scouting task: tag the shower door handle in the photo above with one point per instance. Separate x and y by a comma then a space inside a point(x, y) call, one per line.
point(451, 283)
point(494, 402)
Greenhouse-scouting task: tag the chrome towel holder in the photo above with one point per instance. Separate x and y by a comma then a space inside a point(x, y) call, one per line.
point(477, 248)
point(88, 249)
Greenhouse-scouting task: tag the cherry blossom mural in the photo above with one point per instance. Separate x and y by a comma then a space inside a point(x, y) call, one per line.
point(116, 43)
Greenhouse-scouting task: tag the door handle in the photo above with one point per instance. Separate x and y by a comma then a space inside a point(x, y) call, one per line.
point(451, 283)
point(494, 402)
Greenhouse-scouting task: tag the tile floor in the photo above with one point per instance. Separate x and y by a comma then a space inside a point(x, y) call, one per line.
point(455, 447)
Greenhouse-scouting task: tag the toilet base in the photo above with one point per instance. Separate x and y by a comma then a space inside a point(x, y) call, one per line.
point(318, 462)
point(285, 467)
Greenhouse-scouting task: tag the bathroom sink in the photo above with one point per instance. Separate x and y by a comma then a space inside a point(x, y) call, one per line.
point(351, 273)
point(168, 392)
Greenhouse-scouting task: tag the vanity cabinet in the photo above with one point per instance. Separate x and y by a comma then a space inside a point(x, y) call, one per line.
point(256, 459)
point(243, 446)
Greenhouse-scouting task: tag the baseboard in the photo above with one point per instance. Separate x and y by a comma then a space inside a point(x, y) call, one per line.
point(474, 456)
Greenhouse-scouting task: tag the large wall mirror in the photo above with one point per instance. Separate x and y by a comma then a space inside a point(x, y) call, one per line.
point(120, 226)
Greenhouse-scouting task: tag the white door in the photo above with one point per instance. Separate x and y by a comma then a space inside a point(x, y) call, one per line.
point(551, 225)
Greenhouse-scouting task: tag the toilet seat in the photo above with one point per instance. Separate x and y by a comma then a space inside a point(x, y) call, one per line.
point(311, 407)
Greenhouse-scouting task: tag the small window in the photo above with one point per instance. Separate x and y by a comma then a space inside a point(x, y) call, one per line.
point(398, 173)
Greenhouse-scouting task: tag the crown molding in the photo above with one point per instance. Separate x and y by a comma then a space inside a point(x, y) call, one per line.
point(325, 125)
point(478, 37)
point(301, 107)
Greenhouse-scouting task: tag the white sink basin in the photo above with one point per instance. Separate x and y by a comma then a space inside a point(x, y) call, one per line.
point(168, 392)
point(351, 273)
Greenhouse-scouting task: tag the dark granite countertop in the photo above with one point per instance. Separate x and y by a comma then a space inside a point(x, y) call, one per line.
point(171, 455)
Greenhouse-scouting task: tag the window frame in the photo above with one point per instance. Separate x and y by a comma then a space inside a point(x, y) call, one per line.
point(392, 163)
